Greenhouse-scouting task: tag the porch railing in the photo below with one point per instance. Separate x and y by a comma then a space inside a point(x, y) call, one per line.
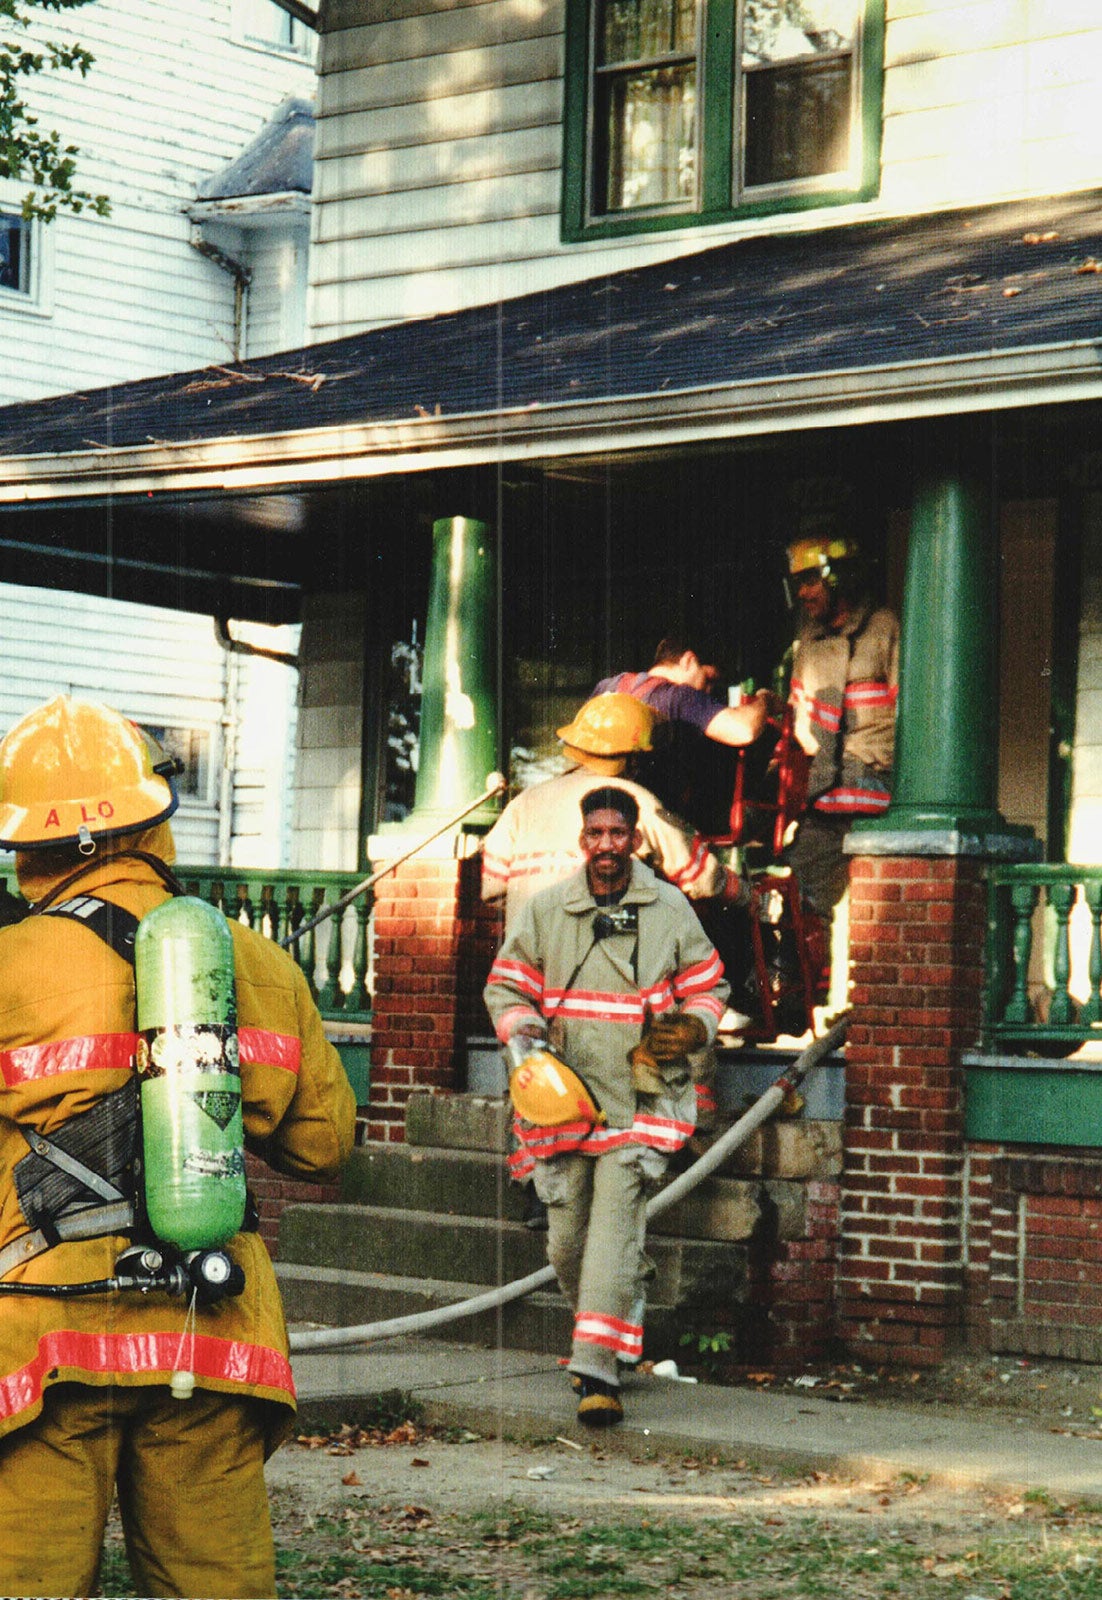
point(336, 957)
point(1043, 990)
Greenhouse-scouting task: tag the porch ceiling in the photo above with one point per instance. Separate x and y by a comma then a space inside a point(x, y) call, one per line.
point(968, 310)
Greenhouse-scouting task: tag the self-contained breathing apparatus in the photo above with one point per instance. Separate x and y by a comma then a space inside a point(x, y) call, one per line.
point(162, 1158)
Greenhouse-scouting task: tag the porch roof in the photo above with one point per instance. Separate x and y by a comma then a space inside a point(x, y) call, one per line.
point(956, 311)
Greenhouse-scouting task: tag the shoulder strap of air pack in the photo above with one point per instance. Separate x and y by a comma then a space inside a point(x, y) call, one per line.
point(113, 924)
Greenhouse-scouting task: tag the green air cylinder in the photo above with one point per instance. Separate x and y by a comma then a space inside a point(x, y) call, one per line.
point(192, 1137)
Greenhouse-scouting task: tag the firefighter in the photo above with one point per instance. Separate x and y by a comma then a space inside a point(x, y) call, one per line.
point(85, 1404)
point(612, 969)
point(844, 687)
point(534, 843)
point(691, 768)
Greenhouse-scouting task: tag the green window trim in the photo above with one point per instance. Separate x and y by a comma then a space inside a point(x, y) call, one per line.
point(716, 187)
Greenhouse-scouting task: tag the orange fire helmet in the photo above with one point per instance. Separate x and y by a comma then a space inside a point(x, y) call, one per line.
point(73, 771)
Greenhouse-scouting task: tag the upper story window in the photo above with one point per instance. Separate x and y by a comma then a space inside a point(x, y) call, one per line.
point(15, 253)
point(262, 23)
point(682, 110)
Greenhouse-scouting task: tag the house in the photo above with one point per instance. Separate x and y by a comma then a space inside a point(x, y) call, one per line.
point(198, 126)
point(607, 300)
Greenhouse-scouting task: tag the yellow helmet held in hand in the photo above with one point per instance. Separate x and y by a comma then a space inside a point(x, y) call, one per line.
point(545, 1091)
point(608, 729)
point(73, 771)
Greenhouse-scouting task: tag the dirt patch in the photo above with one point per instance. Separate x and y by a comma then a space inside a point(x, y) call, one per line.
point(461, 1515)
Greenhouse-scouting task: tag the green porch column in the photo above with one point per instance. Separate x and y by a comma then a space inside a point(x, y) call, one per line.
point(946, 752)
point(458, 710)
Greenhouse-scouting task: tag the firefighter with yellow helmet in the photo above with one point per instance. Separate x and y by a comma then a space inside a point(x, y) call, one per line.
point(534, 842)
point(94, 1322)
point(844, 686)
point(603, 987)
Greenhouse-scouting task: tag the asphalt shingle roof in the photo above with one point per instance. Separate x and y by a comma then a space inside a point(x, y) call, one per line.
point(988, 280)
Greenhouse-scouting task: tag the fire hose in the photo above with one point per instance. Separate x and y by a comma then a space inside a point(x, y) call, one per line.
point(728, 1142)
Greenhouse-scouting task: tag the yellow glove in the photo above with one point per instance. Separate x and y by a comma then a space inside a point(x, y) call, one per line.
point(646, 1075)
point(675, 1033)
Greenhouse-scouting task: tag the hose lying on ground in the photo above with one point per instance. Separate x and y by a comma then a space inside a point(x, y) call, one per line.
point(423, 1321)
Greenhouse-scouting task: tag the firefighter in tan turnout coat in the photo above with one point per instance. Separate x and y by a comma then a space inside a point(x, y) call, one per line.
point(612, 969)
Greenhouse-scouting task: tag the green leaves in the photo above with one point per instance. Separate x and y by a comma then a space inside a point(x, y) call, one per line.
point(27, 154)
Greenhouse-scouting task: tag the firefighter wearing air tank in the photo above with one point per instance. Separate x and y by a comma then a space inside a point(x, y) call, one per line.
point(612, 970)
point(174, 1394)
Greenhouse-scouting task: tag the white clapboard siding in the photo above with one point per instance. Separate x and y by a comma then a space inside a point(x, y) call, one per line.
point(166, 669)
point(440, 134)
point(171, 99)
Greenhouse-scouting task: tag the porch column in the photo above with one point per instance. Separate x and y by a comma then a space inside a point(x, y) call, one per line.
point(917, 921)
point(433, 945)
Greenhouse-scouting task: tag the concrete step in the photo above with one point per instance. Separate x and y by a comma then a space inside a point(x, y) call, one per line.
point(804, 1147)
point(484, 1250)
point(474, 1183)
point(541, 1322)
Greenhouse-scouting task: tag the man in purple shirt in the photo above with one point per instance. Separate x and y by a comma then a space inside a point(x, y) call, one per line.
point(693, 777)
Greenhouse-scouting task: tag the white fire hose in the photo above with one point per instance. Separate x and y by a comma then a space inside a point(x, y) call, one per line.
point(423, 1321)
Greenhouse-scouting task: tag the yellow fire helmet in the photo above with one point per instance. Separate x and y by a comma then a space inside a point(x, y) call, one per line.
point(608, 729)
point(820, 555)
point(544, 1090)
point(73, 771)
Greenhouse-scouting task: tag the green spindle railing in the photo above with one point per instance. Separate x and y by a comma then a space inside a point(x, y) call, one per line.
point(1048, 1000)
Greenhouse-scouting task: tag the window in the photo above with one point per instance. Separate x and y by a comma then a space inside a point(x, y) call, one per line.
point(262, 23)
point(696, 110)
point(15, 253)
point(192, 747)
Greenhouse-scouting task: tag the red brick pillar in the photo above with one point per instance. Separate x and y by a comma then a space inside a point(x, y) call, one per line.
point(916, 950)
point(433, 945)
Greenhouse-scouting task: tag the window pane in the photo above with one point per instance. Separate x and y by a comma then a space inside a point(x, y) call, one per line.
point(632, 30)
point(14, 254)
point(797, 121)
point(783, 30)
point(647, 137)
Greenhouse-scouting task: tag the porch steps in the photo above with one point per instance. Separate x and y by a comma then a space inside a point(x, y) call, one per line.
point(435, 1220)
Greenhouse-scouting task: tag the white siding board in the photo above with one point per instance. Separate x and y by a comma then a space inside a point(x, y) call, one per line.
point(445, 30)
point(413, 82)
point(446, 206)
point(462, 116)
point(458, 160)
point(340, 14)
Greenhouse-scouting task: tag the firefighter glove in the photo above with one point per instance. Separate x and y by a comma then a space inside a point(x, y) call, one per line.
point(646, 1074)
point(674, 1034)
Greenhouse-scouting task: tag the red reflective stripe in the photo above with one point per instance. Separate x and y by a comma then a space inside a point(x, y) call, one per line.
point(701, 976)
point(94, 1052)
point(853, 800)
point(594, 1327)
point(260, 1047)
point(665, 1134)
point(871, 693)
point(520, 974)
point(121, 1354)
point(114, 1052)
point(695, 866)
point(510, 1020)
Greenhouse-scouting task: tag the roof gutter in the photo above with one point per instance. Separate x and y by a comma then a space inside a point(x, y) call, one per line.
point(1044, 375)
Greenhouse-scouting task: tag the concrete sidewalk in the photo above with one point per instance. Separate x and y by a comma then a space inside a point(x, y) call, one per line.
point(519, 1395)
